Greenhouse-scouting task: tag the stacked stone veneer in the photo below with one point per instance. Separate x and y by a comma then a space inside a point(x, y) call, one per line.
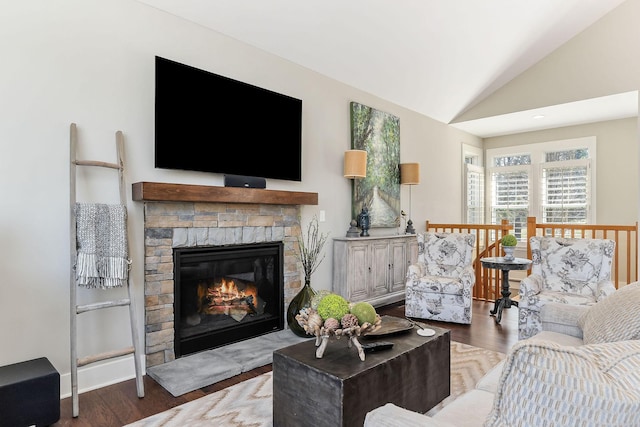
point(186, 224)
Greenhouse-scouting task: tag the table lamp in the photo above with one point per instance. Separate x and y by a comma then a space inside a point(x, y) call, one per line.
point(410, 175)
point(355, 166)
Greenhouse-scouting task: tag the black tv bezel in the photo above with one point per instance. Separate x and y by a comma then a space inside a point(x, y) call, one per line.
point(283, 151)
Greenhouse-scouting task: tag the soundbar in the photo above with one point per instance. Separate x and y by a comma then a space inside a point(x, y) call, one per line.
point(244, 181)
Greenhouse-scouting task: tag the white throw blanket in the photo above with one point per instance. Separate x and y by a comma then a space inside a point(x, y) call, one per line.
point(102, 246)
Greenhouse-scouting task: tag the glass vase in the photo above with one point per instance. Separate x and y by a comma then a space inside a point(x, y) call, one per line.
point(300, 301)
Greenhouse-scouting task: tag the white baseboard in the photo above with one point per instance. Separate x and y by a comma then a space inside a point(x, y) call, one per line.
point(96, 376)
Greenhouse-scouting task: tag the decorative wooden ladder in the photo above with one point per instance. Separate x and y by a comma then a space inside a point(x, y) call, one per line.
point(77, 309)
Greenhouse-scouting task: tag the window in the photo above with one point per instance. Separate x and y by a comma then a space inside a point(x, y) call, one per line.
point(564, 187)
point(510, 190)
point(551, 181)
point(473, 182)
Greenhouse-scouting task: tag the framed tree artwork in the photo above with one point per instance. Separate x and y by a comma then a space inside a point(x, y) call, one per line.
point(378, 133)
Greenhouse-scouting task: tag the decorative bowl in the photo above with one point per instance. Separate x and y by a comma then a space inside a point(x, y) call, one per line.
point(312, 323)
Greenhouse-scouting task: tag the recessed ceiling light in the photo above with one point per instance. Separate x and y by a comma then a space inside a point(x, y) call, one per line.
point(538, 116)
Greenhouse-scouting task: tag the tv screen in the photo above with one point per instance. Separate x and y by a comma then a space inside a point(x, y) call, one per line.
point(211, 123)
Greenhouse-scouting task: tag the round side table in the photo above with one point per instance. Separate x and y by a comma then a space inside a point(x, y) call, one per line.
point(499, 263)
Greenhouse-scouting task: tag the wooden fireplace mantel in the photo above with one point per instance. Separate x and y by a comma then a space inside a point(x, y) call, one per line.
point(165, 192)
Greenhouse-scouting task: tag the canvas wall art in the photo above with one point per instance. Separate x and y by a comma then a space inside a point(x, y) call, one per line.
point(378, 133)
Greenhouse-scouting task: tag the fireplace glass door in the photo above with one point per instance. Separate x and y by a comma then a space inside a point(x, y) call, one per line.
point(225, 294)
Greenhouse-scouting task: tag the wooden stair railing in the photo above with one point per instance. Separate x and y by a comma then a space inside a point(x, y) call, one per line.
point(488, 281)
point(624, 269)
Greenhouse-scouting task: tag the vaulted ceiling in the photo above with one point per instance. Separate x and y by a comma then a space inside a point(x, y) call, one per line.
point(436, 57)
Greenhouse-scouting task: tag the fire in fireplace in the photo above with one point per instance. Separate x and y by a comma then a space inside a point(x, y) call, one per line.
point(225, 294)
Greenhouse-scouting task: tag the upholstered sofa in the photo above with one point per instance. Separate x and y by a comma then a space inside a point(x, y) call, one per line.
point(582, 369)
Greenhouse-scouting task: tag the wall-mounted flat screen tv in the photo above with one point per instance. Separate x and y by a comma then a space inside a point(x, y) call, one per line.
point(211, 123)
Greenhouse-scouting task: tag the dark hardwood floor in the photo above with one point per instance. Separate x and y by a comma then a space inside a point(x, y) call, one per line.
point(118, 404)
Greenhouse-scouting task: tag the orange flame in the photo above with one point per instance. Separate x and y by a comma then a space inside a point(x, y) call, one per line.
point(227, 290)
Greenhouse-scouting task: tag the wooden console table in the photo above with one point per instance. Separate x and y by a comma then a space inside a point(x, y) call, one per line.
point(339, 389)
point(373, 269)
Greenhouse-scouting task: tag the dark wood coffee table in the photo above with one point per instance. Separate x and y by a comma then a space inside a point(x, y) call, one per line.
point(339, 389)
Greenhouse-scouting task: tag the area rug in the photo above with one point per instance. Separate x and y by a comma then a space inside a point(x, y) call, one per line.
point(248, 404)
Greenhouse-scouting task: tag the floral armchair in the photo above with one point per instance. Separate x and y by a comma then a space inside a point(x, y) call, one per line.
point(569, 271)
point(439, 285)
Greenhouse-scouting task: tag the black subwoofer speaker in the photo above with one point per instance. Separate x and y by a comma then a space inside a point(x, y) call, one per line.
point(29, 394)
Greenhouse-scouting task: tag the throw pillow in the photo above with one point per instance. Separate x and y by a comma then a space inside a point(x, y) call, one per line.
point(615, 318)
point(575, 263)
point(446, 254)
point(545, 384)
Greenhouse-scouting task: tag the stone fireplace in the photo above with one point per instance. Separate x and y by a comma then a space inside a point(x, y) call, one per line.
point(186, 216)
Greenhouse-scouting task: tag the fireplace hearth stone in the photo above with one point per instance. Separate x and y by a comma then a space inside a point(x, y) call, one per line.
point(201, 369)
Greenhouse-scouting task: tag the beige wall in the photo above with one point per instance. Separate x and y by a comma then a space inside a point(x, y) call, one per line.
point(617, 160)
point(599, 61)
point(92, 62)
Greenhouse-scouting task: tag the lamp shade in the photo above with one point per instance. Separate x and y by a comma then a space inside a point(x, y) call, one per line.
point(355, 164)
point(410, 173)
